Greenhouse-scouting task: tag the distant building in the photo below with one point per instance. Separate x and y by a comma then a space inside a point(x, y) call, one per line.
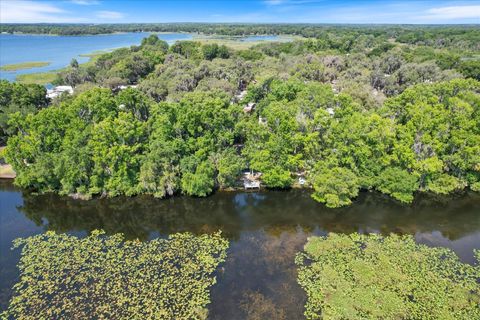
point(123, 87)
point(57, 91)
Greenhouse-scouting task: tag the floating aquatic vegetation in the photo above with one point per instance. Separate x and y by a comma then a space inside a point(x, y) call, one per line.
point(106, 277)
point(373, 277)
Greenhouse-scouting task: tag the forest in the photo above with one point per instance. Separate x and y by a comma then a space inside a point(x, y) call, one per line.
point(346, 109)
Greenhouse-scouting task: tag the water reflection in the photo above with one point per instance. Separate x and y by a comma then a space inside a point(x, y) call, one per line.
point(259, 281)
point(234, 213)
point(266, 229)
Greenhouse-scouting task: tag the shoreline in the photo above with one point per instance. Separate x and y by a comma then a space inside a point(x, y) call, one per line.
point(241, 190)
point(13, 67)
point(235, 42)
point(16, 33)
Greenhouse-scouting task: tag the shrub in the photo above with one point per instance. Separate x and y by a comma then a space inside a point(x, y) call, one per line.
point(335, 187)
point(399, 183)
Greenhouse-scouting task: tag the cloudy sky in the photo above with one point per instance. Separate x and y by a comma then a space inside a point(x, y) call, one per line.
point(251, 11)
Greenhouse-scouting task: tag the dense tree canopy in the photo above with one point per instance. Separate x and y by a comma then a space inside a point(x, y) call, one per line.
point(102, 143)
point(339, 113)
point(20, 98)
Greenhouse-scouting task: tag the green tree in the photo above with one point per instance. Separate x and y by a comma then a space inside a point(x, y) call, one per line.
point(117, 145)
point(74, 64)
point(443, 183)
point(210, 51)
point(399, 183)
point(229, 166)
point(437, 132)
point(188, 49)
point(334, 186)
point(15, 97)
point(154, 40)
point(200, 180)
point(470, 69)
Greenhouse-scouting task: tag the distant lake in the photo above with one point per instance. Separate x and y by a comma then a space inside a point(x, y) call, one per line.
point(59, 50)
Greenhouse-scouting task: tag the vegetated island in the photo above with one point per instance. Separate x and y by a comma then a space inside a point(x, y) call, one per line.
point(24, 65)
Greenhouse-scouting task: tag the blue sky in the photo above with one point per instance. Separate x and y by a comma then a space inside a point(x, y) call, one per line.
point(249, 11)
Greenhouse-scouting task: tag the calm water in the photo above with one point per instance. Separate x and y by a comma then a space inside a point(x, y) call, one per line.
point(260, 38)
point(266, 229)
point(59, 50)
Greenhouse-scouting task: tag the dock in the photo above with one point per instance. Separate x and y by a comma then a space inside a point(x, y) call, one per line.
point(248, 184)
point(251, 180)
point(6, 170)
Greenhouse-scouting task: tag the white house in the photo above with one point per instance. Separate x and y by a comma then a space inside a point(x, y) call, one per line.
point(56, 91)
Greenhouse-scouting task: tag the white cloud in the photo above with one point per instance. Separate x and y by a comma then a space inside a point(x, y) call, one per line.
point(109, 15)
point(30, 11)
point(85, 2)
point(274, 2)
point(27, 11)
point(453, 12)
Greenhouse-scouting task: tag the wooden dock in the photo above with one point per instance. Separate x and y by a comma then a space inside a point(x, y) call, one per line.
point(251, 180)
point(251, 184)
point(6, 172)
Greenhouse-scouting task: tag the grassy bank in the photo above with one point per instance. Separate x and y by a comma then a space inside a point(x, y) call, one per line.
point(43, 78)
point(236, 43)
point(40, 78)
point(24, 65)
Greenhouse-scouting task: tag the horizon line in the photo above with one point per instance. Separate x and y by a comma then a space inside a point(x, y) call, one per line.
point(243, 23)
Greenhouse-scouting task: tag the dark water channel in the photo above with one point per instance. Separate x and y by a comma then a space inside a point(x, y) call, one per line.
point(265, 229)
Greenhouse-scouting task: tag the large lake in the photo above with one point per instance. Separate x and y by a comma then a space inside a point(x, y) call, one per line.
point(265, 230)
point(59, 50)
